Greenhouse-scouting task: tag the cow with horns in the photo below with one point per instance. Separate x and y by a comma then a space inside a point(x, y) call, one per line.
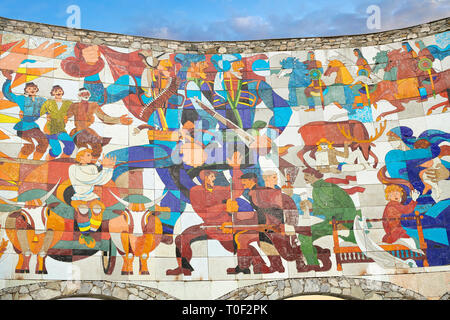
point(136, 232)
point(33, 230)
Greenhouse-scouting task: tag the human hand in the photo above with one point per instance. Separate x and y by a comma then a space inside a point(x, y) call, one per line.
point(48, 51)
point(305, 205)
point(91, 54)
point(263, 144)
point(437, 174)
point(136, 131)
point(126, 120)
point(235, 161)
point(232, 206)
point(108, 162)
point(414, 194)
point(7, 74)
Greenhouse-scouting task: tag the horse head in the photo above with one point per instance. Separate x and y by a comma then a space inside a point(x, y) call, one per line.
point(394, 59)
point(343, 75)
point(333, 66)
point(381, 60)
point(297, 70)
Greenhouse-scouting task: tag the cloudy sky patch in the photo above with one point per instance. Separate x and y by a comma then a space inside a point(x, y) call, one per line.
point(230, 20)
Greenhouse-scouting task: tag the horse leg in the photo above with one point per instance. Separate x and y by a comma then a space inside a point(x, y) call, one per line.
point(302, 152)
point(445, 103)
point(398, 108)
point(375, 158)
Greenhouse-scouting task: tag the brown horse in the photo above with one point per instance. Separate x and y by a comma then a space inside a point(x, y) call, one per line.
point(406, 87)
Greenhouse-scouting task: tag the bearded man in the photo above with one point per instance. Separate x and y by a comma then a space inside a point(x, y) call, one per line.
point(83, 113)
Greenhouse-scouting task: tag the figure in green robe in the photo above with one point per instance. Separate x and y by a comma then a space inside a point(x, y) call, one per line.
point(329, 200)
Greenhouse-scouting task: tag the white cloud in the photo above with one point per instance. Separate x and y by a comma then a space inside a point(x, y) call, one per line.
point(324, 21)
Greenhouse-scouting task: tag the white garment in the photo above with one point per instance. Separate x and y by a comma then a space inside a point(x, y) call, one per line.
point(85, 177)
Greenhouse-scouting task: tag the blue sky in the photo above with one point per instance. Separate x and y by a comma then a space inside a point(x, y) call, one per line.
point(229, 20)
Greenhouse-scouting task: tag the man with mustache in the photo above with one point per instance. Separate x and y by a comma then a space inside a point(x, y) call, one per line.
point(83, 113)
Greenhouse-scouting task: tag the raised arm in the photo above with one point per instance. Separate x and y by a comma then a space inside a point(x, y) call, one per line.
point(6, 89)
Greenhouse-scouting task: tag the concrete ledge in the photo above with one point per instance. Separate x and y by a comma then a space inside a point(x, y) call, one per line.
point(251, 46)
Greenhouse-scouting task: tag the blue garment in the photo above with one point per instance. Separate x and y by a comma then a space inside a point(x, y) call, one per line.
point(55, 146)
point(31, 109)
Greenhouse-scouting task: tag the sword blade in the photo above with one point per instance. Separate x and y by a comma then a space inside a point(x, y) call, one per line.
point(245, 136)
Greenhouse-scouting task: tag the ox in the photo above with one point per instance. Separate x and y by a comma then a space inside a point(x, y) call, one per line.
point(136, 232)
point(34, 229)
point(339, 132)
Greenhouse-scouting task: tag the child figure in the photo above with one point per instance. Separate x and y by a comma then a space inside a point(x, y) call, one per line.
point(394, 210)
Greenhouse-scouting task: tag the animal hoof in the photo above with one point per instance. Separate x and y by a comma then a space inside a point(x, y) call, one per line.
point(144, 273)
point(22, 271)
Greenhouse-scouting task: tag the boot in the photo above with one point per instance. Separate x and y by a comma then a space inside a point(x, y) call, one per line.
point(237, 270)
point(308, 250)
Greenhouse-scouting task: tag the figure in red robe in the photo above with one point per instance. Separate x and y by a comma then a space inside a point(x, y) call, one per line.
point(394, 211)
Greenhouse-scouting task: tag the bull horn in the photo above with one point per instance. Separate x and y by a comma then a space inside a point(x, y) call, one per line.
point(14, 203)
point(48, 194)
point(125, 203)
point(151, 203)
point(146, 205)
point(23, 203)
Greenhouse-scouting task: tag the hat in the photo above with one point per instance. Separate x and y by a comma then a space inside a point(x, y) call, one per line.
point(249, 175)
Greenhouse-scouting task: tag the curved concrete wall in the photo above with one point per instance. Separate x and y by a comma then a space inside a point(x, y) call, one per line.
point(247, 170)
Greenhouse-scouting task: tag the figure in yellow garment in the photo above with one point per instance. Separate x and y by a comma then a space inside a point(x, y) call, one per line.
point(55, 128)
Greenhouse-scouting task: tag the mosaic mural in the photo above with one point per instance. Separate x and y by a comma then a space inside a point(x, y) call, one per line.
point(146, 165)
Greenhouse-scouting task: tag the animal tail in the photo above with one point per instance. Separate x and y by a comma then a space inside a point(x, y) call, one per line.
point(384, 179)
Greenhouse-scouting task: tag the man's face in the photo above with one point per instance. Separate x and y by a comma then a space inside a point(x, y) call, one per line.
point(197, 70)
point(237, 69)
point(86, 158)
point(248, 183)
point(309, 178)
point(271, 180)
point(324, 146)
point(164, 67)
point(58, 93)
point(209, 179)
point(84, 95)
point(31, 90)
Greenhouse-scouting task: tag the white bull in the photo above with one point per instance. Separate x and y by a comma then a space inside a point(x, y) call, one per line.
point(136, 233)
